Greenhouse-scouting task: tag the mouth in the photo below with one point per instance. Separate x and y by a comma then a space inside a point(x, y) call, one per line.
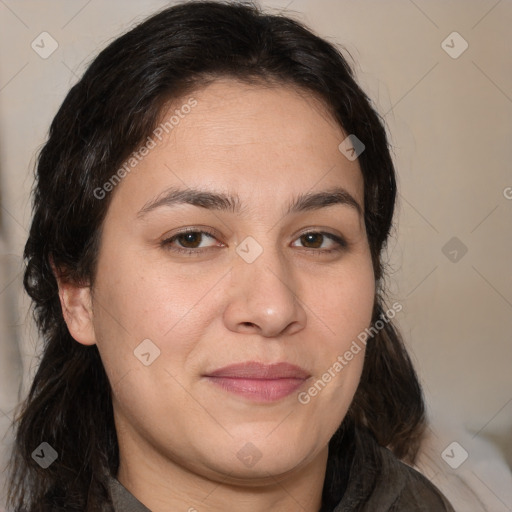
point(258, 381)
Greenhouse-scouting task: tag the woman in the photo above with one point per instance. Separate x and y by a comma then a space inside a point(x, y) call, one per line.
point(210, 212)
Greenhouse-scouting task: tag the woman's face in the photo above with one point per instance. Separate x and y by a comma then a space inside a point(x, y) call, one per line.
point(247, 284)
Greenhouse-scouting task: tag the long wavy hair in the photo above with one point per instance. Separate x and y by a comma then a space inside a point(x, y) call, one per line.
point(104, 118)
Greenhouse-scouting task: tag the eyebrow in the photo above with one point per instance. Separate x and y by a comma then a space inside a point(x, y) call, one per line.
point(221, 201)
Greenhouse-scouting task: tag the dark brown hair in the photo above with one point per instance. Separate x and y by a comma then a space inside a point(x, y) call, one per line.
point(103, 119)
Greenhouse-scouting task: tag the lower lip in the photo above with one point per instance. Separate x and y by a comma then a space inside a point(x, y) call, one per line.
point(263, 390)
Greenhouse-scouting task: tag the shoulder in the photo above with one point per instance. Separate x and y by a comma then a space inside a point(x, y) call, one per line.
point(416, 492)
point(380, 481)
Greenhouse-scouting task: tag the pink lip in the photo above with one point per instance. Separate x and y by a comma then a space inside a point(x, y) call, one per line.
point(259, 381)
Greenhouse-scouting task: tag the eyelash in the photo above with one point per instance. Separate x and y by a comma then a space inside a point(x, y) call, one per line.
point(342, 244)
point(193, 252)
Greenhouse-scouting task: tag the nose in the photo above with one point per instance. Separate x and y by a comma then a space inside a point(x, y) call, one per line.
point(263, 297)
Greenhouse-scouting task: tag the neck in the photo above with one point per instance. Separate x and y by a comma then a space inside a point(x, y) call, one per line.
point(162, 484)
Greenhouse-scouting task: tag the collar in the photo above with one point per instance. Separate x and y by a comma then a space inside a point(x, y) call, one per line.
point(122, 499)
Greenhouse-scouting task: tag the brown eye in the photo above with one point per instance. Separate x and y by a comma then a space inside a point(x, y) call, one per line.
point(316, 239)
point(189, 240)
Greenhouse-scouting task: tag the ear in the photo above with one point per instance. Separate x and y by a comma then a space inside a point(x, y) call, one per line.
point(76, 304)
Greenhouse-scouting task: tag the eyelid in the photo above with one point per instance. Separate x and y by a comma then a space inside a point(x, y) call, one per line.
point(193, 229)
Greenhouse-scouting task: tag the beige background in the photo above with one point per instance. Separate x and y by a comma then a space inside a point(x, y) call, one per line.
point(450, 125)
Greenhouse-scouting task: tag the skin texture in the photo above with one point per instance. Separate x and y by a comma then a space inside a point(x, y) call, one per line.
point(178, 433)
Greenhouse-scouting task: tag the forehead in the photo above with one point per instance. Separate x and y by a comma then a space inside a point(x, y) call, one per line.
point(267, 143)
point(232, 114)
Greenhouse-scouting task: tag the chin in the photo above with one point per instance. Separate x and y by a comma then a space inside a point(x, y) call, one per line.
point(271, 457)
point(262, 472)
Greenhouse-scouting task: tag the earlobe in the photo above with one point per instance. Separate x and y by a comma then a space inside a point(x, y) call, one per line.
point(76, 304)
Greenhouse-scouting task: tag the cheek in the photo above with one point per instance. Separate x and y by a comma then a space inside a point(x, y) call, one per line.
point(346, 301)
point(139, 322)
point(142, 300)
point(142, 309)
point(345, 309)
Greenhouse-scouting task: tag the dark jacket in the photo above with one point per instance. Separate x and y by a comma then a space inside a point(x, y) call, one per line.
point(364, 477)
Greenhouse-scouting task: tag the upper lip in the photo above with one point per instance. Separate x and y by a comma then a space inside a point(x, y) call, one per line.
point(257, 370)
